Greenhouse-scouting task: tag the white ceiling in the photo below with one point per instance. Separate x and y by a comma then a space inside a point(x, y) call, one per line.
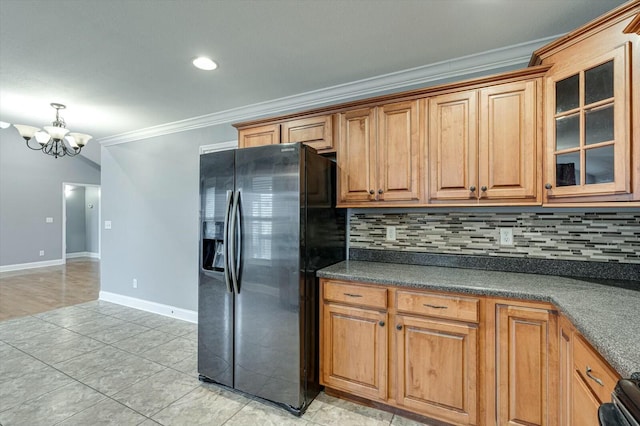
point(125, 65)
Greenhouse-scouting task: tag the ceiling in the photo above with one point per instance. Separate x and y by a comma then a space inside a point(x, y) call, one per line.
point(125, 65)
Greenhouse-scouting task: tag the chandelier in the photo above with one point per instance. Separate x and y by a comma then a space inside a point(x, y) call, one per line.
point(52, 138)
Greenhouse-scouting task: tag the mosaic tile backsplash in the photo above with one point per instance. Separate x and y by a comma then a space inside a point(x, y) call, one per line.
point(596, 237)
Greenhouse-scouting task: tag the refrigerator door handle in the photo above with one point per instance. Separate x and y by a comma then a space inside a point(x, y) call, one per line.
point(238, 253)
point(233, 262)
point(227, 276)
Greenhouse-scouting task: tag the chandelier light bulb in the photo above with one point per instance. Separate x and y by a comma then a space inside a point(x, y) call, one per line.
point(4, 125)
point(52, 139)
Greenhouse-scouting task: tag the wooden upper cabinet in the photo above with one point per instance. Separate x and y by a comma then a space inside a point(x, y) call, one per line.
point(508, 154)
point(483, 145)
point(588, 140)
point(316, 132)
point(356, 156)
point(453, 144)
point(379, 155)
point(592, 125)
point(398, 152)
point(257, 136)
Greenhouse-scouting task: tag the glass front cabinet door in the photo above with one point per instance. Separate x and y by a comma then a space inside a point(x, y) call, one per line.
point(587, 144)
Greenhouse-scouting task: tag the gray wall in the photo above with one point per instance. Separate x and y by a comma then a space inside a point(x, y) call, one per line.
point(30, 191)
point(150, 193)
point(76, 228)
point(92, 219)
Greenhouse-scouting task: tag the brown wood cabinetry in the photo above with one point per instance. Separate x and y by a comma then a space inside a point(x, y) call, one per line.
point(419, 352)
point(316, 132)
point(526, 365)
point(257, 136)
point(592, 129)
point(483, 145)
point(354, 343)
point(378, 155)
point(460, 359)
point(437, 368)
point(586, 381)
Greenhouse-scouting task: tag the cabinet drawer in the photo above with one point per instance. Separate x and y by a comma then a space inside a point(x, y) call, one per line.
point(435, 305)
point(602, 380)
point(374, 297)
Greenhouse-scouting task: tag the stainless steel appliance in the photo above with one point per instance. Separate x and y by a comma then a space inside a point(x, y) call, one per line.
point(624, 410)
point(268, 222)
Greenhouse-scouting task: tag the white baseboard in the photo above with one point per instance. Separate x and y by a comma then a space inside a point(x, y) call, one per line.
point(21, 266)
point(145, 305)
point(83, 254)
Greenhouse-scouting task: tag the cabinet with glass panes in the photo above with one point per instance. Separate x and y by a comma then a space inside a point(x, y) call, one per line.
point(591, 113)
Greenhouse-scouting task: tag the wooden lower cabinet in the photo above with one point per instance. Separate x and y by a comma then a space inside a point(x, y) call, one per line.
point(586, 381)
point(437, 365)
point(526, 365)
point(459, 359)
point(354, 350)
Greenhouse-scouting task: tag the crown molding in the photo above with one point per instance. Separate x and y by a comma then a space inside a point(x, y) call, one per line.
point(484, 62)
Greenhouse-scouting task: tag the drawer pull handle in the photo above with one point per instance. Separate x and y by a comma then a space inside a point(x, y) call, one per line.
point(435, 306)
point(352, 295)
point(592, 377)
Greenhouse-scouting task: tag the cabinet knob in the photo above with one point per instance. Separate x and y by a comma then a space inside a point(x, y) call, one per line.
point(380, 191)
point(381, 323)
point(371, 191)
point(483, 188)
point(472, 188)
point(547, 186)
point(399, 327)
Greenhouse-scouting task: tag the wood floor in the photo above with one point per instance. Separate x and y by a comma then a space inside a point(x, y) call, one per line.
point(38, 290)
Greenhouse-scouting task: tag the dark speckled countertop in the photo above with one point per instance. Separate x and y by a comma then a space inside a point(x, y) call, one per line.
point(607, 316)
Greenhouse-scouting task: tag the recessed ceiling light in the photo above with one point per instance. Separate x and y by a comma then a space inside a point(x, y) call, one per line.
point(204, 63)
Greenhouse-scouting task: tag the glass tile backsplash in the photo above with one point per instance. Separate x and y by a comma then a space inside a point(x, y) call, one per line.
point(598, 237)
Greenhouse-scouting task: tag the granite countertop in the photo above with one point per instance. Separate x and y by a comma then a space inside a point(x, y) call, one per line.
point(606, 316)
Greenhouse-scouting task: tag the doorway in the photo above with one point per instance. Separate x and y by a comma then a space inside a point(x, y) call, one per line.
point(80, 221)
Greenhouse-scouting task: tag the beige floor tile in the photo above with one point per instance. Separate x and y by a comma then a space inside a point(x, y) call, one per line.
point(205, 405)
point(144, 341)
point(52, 407)
point(106, 412)
point(171, 352)
point(29, 385)
point(157, 392)
point(116, 377)
point(267, 415)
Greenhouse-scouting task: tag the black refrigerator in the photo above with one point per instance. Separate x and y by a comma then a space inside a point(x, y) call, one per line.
point(268, 222)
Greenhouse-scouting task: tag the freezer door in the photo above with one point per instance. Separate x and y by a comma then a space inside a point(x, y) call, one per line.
point(215, 300)
point(267, 343)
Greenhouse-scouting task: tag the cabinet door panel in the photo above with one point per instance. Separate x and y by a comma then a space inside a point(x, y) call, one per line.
point(258, 136)
point(357, 155)
point(525, 360)
point(316, 132)
point(584, 407)
point(398, 152)
point(453, 146)
point(507, 145)
point(354, 351)
point(437, 368)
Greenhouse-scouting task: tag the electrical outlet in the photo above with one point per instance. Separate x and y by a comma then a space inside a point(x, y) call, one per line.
point(391, 233)
point(41, 252)
point(48, 220)
point(135, 283)
point(506, 236)
point(107, 224)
